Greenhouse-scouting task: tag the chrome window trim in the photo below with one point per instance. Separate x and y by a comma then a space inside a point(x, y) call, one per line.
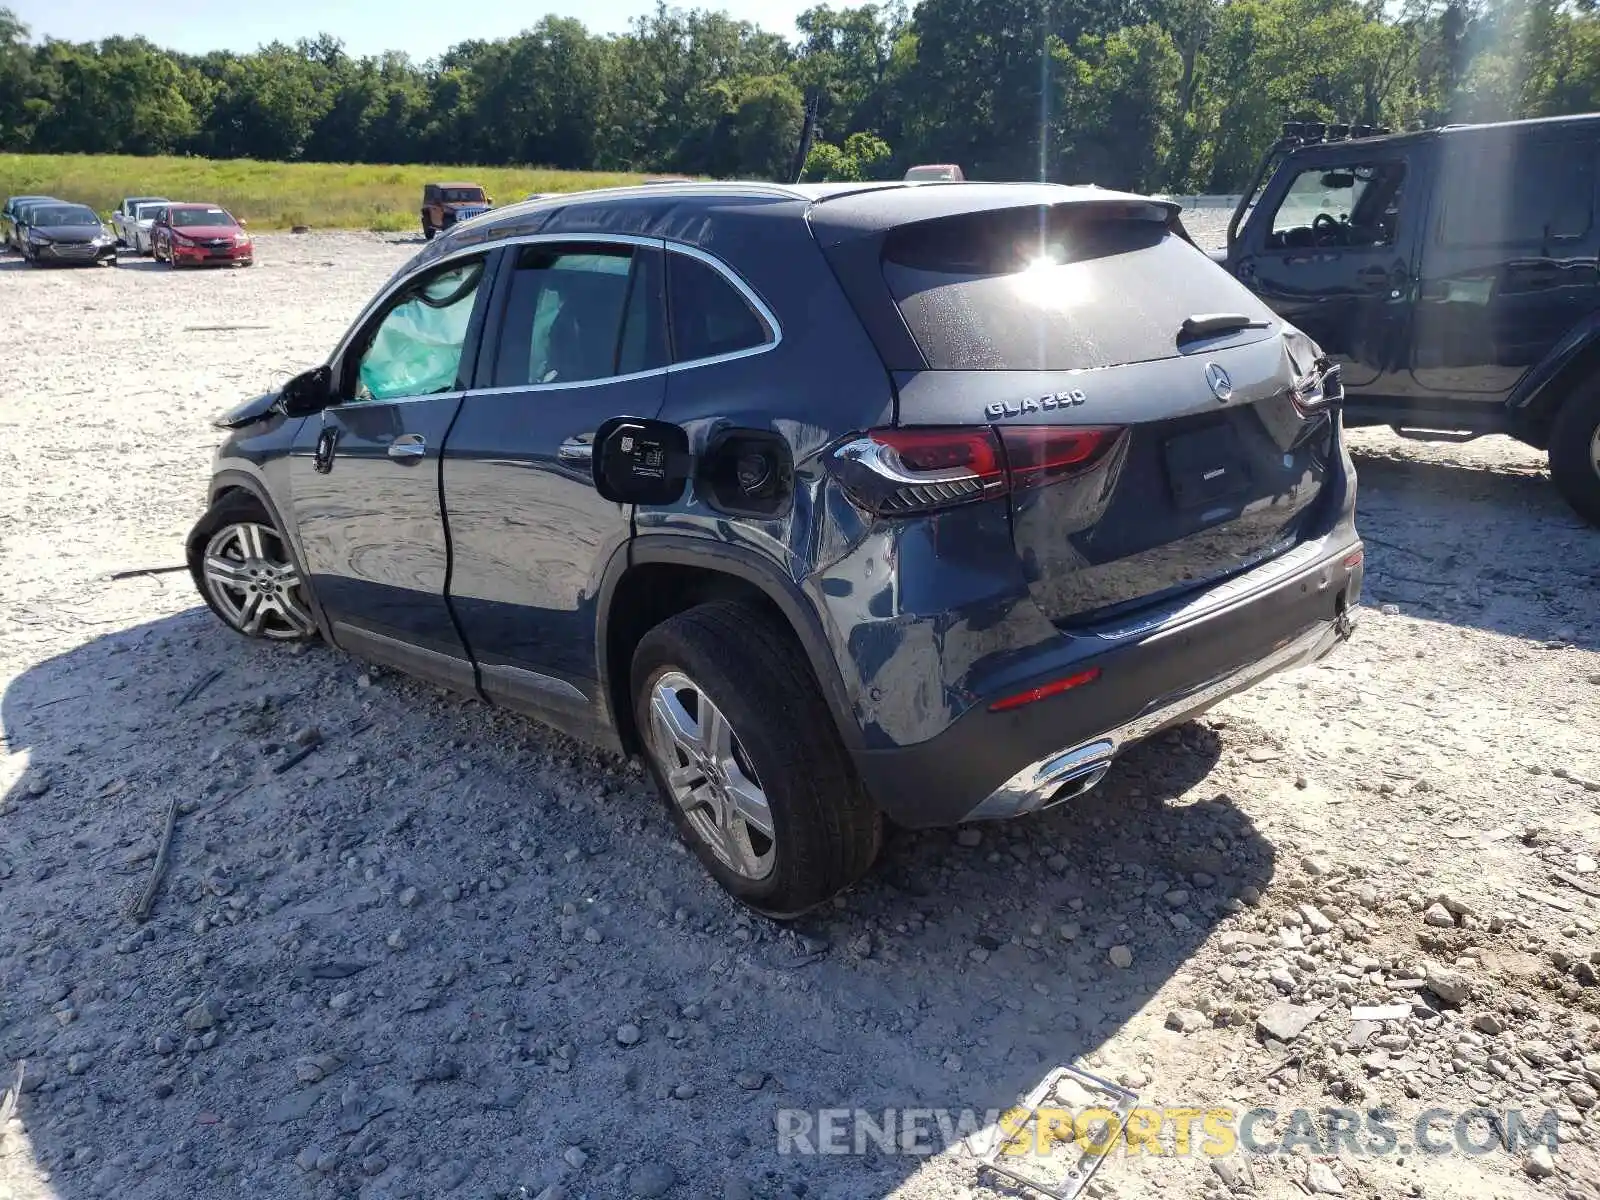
point(453, 394)
point(767, 316)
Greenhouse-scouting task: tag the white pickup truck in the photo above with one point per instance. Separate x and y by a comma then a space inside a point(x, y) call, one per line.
point(131, 221)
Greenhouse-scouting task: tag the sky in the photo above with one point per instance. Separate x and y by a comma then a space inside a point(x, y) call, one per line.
point(422, 28)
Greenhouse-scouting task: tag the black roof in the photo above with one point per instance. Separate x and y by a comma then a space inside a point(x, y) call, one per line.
point(837, 211)
point(1511, 129)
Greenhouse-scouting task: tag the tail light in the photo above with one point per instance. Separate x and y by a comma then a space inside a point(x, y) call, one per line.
point(894, 472)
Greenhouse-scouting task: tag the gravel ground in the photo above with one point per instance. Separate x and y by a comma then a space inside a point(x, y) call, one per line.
point(448, 953)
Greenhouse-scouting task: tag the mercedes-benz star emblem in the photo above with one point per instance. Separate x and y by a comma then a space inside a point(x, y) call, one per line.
point(1221, 385)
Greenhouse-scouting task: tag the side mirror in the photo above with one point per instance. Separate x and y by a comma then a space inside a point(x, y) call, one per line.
point(488, 199)
point(639, 461)
point(242, 222)
point(307, 393)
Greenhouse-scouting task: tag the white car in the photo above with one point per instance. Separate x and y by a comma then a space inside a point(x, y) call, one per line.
point(132, 218)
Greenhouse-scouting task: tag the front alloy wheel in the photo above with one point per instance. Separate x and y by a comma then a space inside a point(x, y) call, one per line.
point(254, 585)
point(710, 777)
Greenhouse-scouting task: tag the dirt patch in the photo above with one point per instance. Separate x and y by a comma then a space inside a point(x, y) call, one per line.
point(448, 953)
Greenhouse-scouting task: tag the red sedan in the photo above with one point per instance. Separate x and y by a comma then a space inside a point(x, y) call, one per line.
point(196, 234)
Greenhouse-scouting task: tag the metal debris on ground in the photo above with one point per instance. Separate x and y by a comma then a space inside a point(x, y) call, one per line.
point(1059, 1166)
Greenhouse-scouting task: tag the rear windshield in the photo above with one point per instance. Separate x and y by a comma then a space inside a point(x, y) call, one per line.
point(1052, 289)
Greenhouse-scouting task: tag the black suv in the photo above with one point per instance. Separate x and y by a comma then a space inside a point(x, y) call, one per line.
point(836, 502)
point(1451, 273)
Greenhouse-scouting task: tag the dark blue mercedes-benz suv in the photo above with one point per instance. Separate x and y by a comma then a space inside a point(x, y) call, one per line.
point(838, 504)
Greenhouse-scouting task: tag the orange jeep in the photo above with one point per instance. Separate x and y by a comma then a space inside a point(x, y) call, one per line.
point(443, 204)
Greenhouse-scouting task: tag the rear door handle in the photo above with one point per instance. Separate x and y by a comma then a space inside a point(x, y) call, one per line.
point(408, 445)
point(577, 451)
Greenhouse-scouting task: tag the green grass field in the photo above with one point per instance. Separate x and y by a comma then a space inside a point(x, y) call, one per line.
point(273, 195)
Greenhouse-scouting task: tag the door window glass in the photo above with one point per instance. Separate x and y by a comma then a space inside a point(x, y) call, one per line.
point(1345, 205)
point(580, 313)
point(1536, 192)
point(709, 315)
point(415, 350)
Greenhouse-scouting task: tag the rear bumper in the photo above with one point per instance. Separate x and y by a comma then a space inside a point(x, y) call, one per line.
point(1153, 673)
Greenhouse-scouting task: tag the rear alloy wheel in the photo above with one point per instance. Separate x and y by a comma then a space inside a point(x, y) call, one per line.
point(1575, 452)
point(249, 579)
point(746, 755)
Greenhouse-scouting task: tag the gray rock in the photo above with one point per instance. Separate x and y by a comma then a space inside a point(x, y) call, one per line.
point(451, 892)
point(684, 1091)
point(77, 1064)
point(36, 783)
point(1488, 1023)
point(203, 1015)
point(751, 1081)
point(1121, 957)
point(1450, 986)
point(374, 1164)
point(628, 1034)
point(1322, 1181)
point(574, 1157)
point(1315, 865)
point(306, 1160)
point(1314, 918)
point(409, 897)
point(1438, 916)
point(1284, 1021)
point(1176, 898)
point(1540, 1163)
point(969, 837)
point(651, 1180)
point(166, 1044)
point(1187, 1020)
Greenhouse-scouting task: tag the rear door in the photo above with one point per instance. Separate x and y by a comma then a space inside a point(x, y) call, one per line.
point(365, 475)
point(1140, 396)
point(1509, 264)
point(1330, 247)
point(577, 337)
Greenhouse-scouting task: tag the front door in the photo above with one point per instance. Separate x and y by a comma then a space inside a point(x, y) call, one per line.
point(577, 336)
point(365, 476)
point(1330, 251)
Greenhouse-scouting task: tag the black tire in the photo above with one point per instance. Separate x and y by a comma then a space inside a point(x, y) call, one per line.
point(231, 510)
point(1573, 451)
point(826, 831)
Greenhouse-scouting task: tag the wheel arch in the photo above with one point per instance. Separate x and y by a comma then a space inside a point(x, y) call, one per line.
point(1540, 393)
point(234, 482)
point(655, 577)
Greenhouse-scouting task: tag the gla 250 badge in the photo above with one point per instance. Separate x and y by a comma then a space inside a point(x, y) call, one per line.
point(1046, 403)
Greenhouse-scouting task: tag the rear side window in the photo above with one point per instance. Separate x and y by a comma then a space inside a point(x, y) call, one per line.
point(709, 316)
point(578, 314)
point(1050, 289)
point(1513, 194)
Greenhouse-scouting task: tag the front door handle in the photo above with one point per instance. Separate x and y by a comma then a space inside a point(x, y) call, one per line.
point(408, 445)
point(577, 451)
point(327, 443)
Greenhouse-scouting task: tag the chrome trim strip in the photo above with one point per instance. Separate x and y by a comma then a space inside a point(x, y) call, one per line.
point(531, 681)
point(355, 404)
point(768, 317)
point(1033, 786)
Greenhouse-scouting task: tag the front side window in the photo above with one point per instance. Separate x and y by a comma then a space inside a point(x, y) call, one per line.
point(415, 349)
point(580, 313)
point(710, 317)
point(1347, 205)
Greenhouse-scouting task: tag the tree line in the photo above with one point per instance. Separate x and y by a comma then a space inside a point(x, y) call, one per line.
point(1179, 95)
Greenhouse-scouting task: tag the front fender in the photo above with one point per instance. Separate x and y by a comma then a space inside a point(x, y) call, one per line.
point(1539, 393)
